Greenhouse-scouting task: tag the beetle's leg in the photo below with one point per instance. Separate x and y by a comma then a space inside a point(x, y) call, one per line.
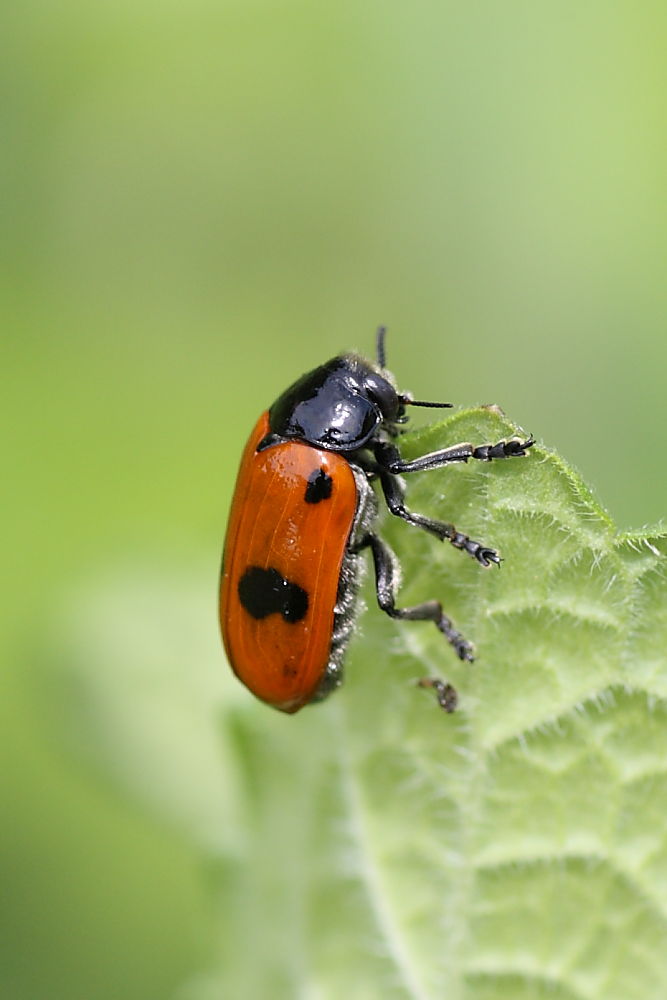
point(389, 456)
point(385, 585)
point(393, 493)
point(444, 692)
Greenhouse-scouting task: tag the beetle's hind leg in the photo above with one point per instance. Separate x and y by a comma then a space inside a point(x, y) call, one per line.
point(385, 585)
point(393, 494)
point(444, 692)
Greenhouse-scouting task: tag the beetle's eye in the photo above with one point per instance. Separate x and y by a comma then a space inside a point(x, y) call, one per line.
point(383, 393)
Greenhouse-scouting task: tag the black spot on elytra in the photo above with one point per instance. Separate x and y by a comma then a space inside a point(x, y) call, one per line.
point(319, 486)
point(264, 592)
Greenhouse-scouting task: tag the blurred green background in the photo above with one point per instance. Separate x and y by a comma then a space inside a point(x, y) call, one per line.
point(199, 202)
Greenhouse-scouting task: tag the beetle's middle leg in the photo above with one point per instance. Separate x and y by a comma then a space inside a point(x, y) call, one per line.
point(393, 494)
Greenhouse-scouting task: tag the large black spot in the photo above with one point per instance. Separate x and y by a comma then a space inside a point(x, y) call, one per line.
point(319, 486)
point(265, 592)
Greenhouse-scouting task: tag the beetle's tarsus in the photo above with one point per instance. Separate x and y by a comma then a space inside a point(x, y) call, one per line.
point(446, 694)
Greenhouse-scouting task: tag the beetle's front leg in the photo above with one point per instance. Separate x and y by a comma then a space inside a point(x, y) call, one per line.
point(389, 456)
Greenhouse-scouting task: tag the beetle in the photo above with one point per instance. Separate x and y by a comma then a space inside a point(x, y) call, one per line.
point(303, 511)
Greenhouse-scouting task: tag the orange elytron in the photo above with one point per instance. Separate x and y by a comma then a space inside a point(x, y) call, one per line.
point(279, 646)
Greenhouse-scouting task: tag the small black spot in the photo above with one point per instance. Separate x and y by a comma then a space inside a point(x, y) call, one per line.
point(319, 486)
point(265, 592)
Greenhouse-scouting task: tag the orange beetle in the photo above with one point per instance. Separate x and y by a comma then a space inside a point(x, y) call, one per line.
point(303, 511)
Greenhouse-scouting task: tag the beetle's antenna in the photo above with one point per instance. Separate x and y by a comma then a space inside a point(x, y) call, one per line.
point(379, 346)
point(408, 401)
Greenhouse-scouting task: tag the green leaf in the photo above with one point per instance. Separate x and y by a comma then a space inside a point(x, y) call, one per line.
point(375, 847)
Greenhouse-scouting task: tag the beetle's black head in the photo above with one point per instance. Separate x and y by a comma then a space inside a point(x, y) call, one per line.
point(338, 406)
